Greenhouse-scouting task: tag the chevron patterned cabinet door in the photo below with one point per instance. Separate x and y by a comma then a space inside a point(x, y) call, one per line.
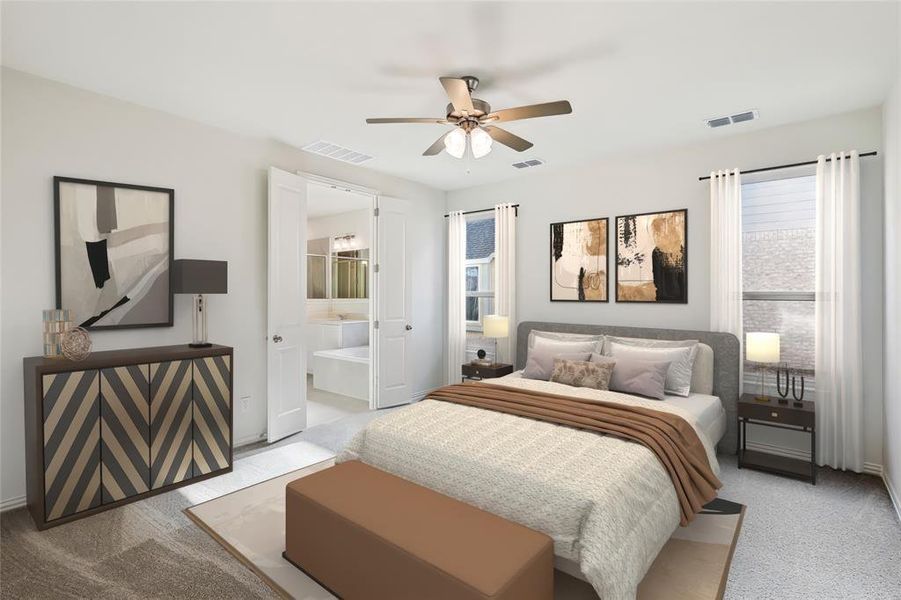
point(124, 431)
point(170, 422)
point(212, 414)
point(71, 442)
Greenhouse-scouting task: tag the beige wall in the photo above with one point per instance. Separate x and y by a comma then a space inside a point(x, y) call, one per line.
point(220, 213)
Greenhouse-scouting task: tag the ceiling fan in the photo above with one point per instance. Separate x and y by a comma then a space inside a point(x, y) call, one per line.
point(475, 121)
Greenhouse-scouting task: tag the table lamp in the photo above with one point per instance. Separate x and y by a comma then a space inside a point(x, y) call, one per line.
point(200, 277)
point(494, 326)
point(763, 348)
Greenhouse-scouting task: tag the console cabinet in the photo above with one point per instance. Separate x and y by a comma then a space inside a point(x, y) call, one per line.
point(122, 425)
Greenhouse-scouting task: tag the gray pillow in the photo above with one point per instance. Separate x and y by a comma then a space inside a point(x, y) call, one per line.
point(678, 380)
point(566, 337)
point(540, 364)
point(641, 377)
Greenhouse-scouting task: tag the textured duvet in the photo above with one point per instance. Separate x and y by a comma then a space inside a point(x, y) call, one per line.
point(607, 503)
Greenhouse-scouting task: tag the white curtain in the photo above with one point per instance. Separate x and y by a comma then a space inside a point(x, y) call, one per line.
point(456, 296)
point(725, 252)
point(839, 362)
point(505, 277)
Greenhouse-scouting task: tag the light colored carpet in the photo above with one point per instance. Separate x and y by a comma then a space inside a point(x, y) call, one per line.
point(838, 539)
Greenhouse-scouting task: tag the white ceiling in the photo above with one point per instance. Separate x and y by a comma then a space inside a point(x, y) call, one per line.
point(638, 75)
point(324, 201)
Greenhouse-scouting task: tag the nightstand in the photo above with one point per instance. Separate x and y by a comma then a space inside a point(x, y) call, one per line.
point(781, 416)
point(478, 372)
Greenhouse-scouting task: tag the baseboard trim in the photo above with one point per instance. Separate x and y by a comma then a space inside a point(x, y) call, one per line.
point(248, 440)
point(892, 494)
point(421, 395)
point(12, 503)
point(868, 467)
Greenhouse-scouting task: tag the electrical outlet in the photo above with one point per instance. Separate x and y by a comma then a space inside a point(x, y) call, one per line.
point(245, 403)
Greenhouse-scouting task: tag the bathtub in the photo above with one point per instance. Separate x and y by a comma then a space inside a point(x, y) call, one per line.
point(330, 334)
point(342, 371)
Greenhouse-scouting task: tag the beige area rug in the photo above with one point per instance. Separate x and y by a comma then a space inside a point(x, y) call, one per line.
point(250, 524)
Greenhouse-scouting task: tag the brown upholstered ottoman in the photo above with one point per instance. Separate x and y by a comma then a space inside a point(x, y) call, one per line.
point(367, 534)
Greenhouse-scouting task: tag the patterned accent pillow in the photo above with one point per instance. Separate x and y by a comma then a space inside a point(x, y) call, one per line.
point(585, 374)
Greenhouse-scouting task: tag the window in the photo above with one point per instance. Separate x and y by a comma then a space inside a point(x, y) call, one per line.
point(779, 268)
point(479, 284)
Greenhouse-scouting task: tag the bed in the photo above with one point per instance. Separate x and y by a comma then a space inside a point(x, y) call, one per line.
point(608, 504)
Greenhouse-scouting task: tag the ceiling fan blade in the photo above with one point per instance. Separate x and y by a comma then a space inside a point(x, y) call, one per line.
point(458, 92)
point(561, 107)
point(437, 147)
point(406, 120)
point(506, 138)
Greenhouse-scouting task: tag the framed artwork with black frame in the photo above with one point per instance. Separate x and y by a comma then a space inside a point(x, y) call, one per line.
point(113, 245)
point(652, 257)
point(579, 261)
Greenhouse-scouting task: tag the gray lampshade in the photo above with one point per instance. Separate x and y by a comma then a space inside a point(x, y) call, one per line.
point(200, 277)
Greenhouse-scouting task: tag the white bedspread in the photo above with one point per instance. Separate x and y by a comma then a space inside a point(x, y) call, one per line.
point(608, 504)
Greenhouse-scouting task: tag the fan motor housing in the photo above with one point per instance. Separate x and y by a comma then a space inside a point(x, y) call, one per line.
point(481, 107)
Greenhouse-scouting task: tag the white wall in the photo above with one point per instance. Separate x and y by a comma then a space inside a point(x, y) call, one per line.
point(220, 213)
point(668, 179)
point(892, 356)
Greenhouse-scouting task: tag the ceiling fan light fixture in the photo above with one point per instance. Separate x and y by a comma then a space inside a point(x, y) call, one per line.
point(480, 142)
point(455, 143)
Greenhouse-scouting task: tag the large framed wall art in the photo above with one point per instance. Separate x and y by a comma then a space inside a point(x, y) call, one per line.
point(652, 257)
point(113, 253)
point(579, 262)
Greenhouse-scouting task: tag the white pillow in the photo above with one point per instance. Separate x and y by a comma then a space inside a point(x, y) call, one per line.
point(678, 376)
point(566, 337)
point(649, 343)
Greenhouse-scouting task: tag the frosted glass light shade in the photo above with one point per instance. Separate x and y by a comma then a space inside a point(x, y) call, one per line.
point(480, 142)
point(762, 347)
point(495, 326)
point(455, 143)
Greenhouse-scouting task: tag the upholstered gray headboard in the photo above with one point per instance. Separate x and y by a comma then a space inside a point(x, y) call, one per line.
point(726, 357)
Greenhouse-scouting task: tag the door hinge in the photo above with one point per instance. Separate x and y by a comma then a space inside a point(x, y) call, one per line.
point(375, 324)
point(375, 268)
point(375, 211)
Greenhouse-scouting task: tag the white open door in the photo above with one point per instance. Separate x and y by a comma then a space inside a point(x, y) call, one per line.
point(393, 299)
point(286, 347)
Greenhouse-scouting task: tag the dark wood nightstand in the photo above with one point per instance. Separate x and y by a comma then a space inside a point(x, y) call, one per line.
point(478, 372)
point(782, 416)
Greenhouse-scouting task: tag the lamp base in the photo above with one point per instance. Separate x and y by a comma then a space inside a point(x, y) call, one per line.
point(200, 345)
point(761, 398)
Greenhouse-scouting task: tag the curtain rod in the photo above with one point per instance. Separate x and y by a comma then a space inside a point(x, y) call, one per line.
point(473, 212)
point(800, 164)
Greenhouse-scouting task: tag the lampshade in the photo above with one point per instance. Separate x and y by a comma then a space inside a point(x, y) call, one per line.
point(495, 326)
point(762, 347)
point(200, 277)
point(455, 143)
point(480, 142)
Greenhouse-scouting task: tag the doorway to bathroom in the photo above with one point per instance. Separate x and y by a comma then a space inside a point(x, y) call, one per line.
point(339, 302)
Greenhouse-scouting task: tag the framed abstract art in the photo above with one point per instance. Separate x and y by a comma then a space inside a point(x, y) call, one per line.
point(579, 262)
point(652, 257)
point(113, 253)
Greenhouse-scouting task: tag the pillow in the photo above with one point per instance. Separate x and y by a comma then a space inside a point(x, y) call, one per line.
point(566, 337)
point(540, 364)
point(641, 377)
point(648, 343)
point(678, 377)
point(702, 371)
point(582, 373)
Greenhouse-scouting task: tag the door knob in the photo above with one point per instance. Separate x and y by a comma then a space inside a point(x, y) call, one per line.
point(409, 327)
point(276, 338)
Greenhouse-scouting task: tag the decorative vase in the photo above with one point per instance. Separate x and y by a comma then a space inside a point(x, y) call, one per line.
point(56, 322)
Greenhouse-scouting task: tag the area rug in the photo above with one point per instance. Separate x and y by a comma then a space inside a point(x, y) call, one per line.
point(250, 524)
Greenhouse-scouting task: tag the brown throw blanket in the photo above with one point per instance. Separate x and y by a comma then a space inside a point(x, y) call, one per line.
point(669, 436)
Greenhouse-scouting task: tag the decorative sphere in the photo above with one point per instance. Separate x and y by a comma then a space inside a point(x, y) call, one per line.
point(76, 343)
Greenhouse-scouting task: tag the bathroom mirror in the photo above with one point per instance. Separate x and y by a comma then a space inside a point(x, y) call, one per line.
point(350, 274)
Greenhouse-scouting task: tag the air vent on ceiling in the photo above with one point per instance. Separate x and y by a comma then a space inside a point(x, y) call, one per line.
point(533, 162)
point(748, 115)
point(337, 152)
